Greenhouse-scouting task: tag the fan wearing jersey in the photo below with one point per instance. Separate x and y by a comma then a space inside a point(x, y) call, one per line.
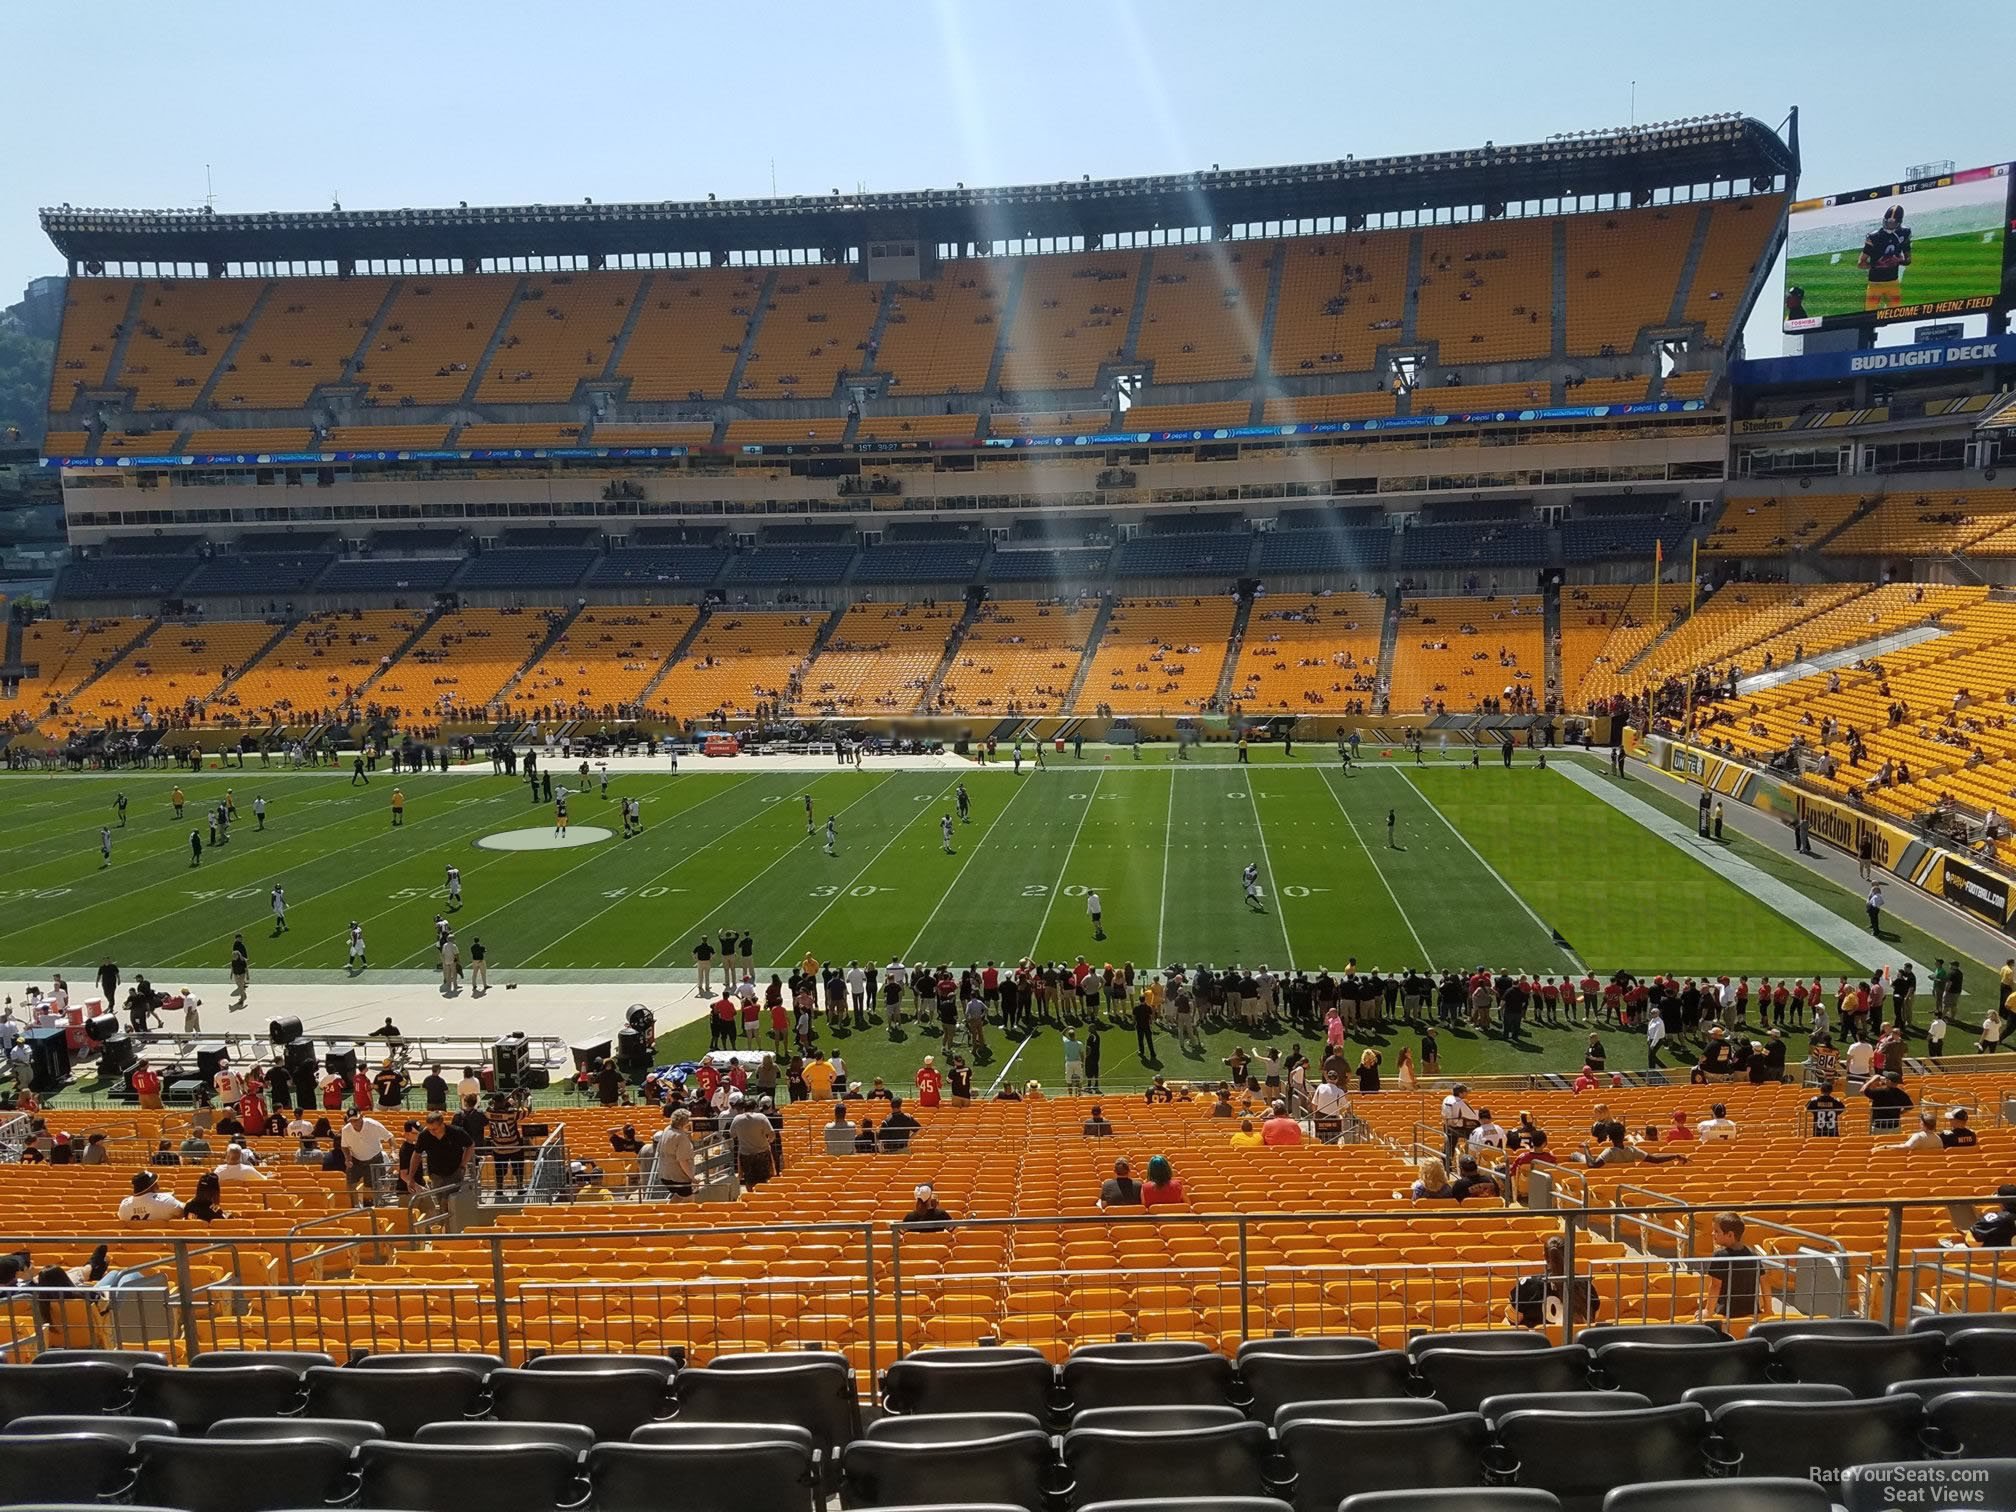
point(1886, 252)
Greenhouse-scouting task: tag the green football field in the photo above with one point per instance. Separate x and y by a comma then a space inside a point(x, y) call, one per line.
point(1488, 866)
point(1943, 267)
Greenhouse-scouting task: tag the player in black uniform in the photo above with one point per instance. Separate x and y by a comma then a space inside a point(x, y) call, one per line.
point(1886, 252)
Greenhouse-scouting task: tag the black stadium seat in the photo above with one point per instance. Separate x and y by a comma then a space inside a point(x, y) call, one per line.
point(612, 1404)
point(131, 1429)
point(1013, 1467)
point(1977, 1485)
point(1983, 1351)
point(563, 1363)
point(1804, 1439)
point(300, 1361)
point(1927, 1388)
point(1366, 1410)
point(1275, 1380)
point(576, 1437)
point(352, 1431)
point(1777, 1494)
point(1581, 1456)
point(1186, 1380)
point(1584, 1402)
point(1012, 1379)
point(1981, 1423)
point(1864, 1365)
point(817, 1396)
point(1174, 1504)
point(420, 1359)
point(242, 1474)
point(82, 1386)
point(1462, 1378)
point(122, 1360)
point(1112, 1464)
point(1333, 1459)
point(1596, 1335)
point(1307, 1344)
point(1505, 1499)
point(1713, 1397)
point(62, 1467)
point(950, 1427)
point(400, 1399)
point(1515, 1340)
point(1847, 1328)
point(1157, 1419)
point(1664, 1371)
point(194, 1399)
point(456, 1477)
point(773, 1471)
point(1950, 1324)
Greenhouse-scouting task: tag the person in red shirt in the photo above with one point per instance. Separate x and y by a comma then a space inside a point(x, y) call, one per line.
point(1586, 1082)
point(721, 1023)
point(332, 1094)
point(1163, 1186)
point(1533, 1152)
point(360, 1091)
point(1681, 1128)
point(146, 1083)
point(738, 1079)
point(929, 1083)
point(707, 1079)
point(1279, 1129)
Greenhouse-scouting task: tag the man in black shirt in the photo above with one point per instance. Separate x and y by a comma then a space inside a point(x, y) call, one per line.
point(1959, 1135)
point(440, 1154)
point(435, 1088)
point(1826, 1110)
point(1733, 1271)
point(1887, 1102)
point(1996, 1228)
point(897, 1129)
point(1542, 1299)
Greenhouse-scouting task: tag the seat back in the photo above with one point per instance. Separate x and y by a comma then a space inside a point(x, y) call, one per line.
point(1585, 1403)
point(1927, 1388)
point(455, 1477)
point(1774, 1329)
point(950, 1427)
point(1594, 1336)
point(1498, 1340)
point(1580, 1456)
point(351, 1431)
point(1752, 1494)
point(400, 1399)
point(62, 1467)
point(1307, 1344)
point(194, 1399)
point(131, 1429)
point(1805, 1439)
point(1981, 1423)
point(563, 1363)
point(611, 1404)
point(971, 1380)
point(421, 1359)
point(1462, 1378)
point(1275, 1380)
point(1972, 1483)
point(1186, 1380)
point(242, 1474)
point(818, 1397)
point(776, 1472)
point(573, 1437)
point(1373, 1410)
point(1983, 1351)
point(1865, 1365)
point(1950, 1324)
point(119, 1359)
point(1016, 1468)
point(1111, 1464)
point(1333, 1460)
point(300, 1361)
point(1157, 1419)
point(1713, 1398)
point(81, 1386)
point(1665, 1372)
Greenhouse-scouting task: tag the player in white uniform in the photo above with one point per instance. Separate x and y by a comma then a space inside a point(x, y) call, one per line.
point(945, 831)
point(832, 836)
point(279, 910)
point(1250, 879)
point(454, 887)
point(357, 957)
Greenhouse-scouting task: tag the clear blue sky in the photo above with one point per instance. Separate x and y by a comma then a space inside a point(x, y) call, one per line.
point(433, 101)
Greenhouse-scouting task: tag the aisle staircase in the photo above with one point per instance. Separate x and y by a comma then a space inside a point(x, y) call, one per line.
point(1092, 636)
point(953, 642)
point(1229, 673)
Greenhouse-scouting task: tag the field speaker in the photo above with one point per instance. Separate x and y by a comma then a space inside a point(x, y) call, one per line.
point(116, 1056)
point(299, 1053)
point(102, 1027)
point(510, 1056)
point(284, 1031)
point(50, 1049)
point(210, 1060)
point(633, 1051)
point(341, 1061)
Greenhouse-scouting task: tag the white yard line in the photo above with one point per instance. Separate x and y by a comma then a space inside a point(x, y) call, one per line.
point(1573, 959)
point(995, 1086)
point(1168, 844)
point(1426, 959)
point(1064, 870)
point(1280, 913)
point(966, 857)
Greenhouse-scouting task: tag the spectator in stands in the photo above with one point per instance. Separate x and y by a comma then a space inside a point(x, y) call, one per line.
point(1120, 1189)
point(362, 1142)
point(440, 1159)
point(237, 1168)
point(926, 1212)
point(148, 1204)
point(1717, 1125)
point(840, 1132)
point(749, 1133)
point(1924, 1137)
point(1279, 1128)
point(1542, 1300)
point(1097, 1126)
point(1887, 1102)
point(1614, 1150)
point(674, 1159)
point(1248, 1137)
point(1163, 1186)
point(206, 1204)
point(1733, 1272)
point(1994, 1229)
point(1959, 1136)
point(1432, 1184)
point(1471, 1182)
point(897, 1129)
point(1532, 1152)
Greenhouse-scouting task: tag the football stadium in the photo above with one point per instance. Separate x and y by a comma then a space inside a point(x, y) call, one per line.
point(1273, 839)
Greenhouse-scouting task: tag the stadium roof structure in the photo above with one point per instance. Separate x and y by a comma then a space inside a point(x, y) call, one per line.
point(1633, 163)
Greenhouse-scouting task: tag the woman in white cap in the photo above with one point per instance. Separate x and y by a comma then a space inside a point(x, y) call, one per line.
point(927, 1213)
